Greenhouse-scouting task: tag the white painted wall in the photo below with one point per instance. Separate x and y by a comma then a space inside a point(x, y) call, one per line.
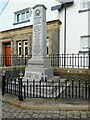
point(7, 16)
point(76, 26)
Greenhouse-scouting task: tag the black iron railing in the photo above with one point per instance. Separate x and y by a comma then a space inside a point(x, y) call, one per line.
point(57, 60)
point(63, 89)
point(14, 60)
point(70, 60)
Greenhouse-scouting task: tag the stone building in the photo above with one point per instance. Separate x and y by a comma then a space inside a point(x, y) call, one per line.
point(17, 43)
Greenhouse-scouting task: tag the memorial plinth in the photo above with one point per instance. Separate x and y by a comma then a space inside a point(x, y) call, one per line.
point(39, 65)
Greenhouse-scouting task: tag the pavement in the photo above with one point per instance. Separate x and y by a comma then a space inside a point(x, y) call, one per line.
point(47, 104)
point(38, 109)
point(13, 112)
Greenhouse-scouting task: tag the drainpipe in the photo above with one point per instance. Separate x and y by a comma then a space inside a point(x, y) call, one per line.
point(89, 59)
point(65, 36)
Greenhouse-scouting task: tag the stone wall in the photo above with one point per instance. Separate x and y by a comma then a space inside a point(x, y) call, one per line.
point(71, 73)
point(13, 71)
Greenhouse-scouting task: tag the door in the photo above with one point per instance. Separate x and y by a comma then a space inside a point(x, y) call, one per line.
point(7, 59)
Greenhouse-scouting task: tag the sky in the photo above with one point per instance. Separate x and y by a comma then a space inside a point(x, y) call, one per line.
point(2, 4)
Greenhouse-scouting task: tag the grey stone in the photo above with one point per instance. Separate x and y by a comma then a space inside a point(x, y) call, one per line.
point(42, 115)
point(27, 116)
point(84, 114)
point(55, 116)
point(7, 115)
point(70, 114)
point(63, 114)
point(20, 115)
point(39, 65)
point(14, 114)
point(13, 109)
point(35, 115)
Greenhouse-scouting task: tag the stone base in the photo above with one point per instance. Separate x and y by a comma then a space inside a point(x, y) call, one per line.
point(47, 90)
point(38, 69)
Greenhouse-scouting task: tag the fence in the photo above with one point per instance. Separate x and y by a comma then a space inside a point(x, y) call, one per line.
point(47, 89)
point(13, 60)
point(57, 60)
point(70, 60)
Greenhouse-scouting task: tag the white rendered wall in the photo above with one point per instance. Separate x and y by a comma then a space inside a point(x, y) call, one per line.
point(7, 16)
point(76, 26)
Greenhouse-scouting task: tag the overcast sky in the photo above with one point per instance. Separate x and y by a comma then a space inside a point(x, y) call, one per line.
point(2, 4)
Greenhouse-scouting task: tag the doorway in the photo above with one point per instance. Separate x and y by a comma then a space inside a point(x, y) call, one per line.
point(7, 54)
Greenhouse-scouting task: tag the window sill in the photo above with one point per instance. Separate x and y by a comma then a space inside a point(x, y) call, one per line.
point(21, 22)
point(84, 10)
point(83, 51)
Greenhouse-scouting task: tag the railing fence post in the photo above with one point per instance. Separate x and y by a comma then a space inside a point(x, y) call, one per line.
point(25, 60)
point(86, 89)
point(20, 97)
point(89, 58)
point(89, 92)
point(3, 84)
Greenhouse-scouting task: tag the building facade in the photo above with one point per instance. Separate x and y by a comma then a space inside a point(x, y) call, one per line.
point(17, 43)
point(76, 16)
point(17, 23)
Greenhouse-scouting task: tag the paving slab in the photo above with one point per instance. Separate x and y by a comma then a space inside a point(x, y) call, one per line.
point(24, 114)
point(47, 104)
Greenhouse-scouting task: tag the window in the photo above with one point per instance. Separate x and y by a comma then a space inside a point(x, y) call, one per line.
point(25, 48)
point(22, 47)
point(22, 16)
point(84, 4)
point(85, 43)
point(27, 15)
point(19, 48)
point(18, 17)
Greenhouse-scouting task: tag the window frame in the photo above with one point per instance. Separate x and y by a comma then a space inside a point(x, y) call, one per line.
point(26, 18)
point(85, 4)
point(82, 4)
point(23, 17)
point(19, 46)
point(18, 18)
point(24, 46)
point(86, 46)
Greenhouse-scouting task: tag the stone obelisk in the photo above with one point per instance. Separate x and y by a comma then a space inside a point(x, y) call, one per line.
point(39, 65)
